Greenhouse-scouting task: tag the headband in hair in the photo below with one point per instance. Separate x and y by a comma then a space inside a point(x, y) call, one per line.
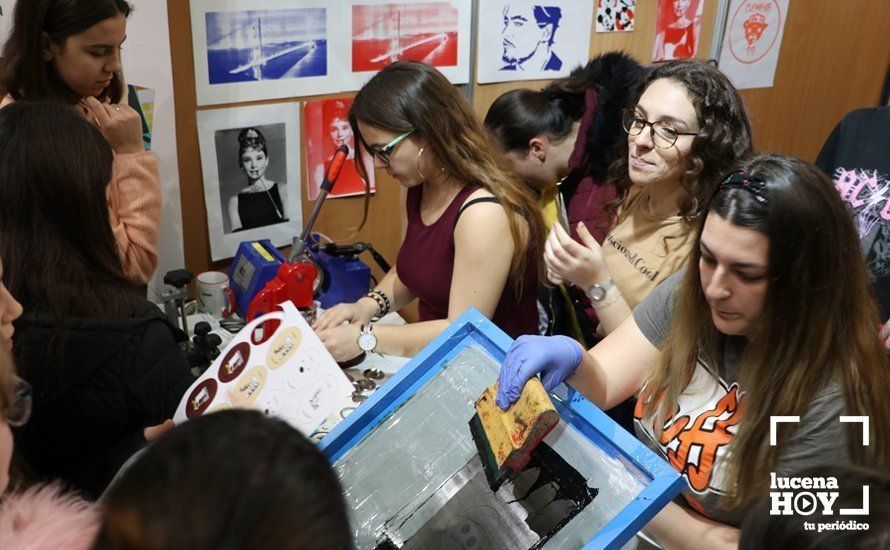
point(752, 184)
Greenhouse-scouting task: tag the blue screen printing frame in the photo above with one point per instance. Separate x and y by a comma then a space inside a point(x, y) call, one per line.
point(661, 482)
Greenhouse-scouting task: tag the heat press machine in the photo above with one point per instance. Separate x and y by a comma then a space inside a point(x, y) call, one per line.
point(298, 278)
point(255, 264)
point(344, 277)
point(328, 272)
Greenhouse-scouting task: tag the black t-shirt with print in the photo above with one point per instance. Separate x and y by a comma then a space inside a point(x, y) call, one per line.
point(857, 157)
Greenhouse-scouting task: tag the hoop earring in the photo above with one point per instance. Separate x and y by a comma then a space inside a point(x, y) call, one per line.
point(420, 161)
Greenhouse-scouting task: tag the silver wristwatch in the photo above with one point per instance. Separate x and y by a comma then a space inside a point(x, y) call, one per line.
point(597, 292)
point(367, 341)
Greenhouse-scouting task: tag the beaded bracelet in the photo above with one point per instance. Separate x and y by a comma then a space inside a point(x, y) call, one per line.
point(382, 300)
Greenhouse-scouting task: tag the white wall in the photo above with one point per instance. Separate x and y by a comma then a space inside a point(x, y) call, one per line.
point(146, 60)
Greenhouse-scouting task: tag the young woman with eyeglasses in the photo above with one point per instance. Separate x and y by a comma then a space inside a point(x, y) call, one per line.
point(685, 129)
point(473, 229)
point(41, 516)
point(772, 317)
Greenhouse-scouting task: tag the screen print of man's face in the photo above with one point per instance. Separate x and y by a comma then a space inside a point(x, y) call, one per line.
point(522, 33)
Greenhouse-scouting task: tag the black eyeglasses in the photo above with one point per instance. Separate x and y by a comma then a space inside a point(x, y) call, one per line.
point(663, 134)
point(18, 411)
point(385, 153)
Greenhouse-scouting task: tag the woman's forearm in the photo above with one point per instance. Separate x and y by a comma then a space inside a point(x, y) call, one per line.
point(407, 340)
point(398, 294)
point(611, 311)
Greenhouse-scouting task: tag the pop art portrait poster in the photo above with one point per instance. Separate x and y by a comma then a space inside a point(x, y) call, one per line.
point(530, 40)
point(327, 128)
point(382, 32)
point(615, 15)
point(250, 158)
point(248, 50)
point(752, 42)
point(677, 29)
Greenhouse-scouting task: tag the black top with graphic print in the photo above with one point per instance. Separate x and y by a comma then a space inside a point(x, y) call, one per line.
point(857, 157)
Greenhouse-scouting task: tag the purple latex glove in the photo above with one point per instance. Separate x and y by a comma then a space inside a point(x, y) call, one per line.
point(555, 357)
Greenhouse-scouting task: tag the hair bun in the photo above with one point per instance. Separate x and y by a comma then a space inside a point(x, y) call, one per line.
point(251, 137)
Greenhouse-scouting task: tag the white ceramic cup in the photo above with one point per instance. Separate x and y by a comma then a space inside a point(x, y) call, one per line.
point(214, 295)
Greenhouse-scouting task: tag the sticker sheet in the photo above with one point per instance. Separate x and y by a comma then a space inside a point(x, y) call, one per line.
point(287, 372)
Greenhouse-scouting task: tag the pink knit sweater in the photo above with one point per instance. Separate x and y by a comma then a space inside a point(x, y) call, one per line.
point(134, 206)
point(43, 517)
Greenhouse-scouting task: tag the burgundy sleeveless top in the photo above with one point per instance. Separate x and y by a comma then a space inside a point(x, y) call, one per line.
point(426, 262)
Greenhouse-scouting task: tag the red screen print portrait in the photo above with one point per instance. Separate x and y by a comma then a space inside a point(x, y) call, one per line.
point(327, 128)
point(678, 28)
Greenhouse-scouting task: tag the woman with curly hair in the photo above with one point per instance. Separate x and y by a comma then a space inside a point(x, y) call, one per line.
point(684, 130)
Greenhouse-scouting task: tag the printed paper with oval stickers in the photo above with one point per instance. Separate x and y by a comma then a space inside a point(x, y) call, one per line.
point(288, 374)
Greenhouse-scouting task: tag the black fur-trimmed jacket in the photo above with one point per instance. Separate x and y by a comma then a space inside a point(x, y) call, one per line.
point(613, 78)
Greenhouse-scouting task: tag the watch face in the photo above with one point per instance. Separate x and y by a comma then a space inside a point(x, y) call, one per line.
point(367, 341)
point(596, 293)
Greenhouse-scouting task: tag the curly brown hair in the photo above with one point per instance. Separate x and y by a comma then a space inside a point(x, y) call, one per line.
point(725, 134)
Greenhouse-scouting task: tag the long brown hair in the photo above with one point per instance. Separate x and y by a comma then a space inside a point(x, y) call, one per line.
point(28, 75)
point(725, 134)
point(817, 325)
point(58, 250)
point(409, 95)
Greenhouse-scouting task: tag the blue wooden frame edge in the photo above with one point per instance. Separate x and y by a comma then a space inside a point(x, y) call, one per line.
point(664, 483)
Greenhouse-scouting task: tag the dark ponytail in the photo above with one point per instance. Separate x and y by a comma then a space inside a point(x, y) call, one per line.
point(520, 115)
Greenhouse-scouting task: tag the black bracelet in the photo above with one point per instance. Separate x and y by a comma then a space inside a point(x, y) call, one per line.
point(379, 302)
point(382, 301)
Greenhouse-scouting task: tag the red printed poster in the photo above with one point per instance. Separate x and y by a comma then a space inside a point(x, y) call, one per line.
point(752, 42)
point(677, 29)
point(327, 128)
point(385, 33)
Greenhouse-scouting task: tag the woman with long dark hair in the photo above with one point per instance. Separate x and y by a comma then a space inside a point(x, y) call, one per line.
point(104, 363)
point(773, 317)
point(69, 51)
point(473, 228)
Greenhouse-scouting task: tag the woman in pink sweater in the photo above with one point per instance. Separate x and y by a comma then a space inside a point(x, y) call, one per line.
point(70, 52)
